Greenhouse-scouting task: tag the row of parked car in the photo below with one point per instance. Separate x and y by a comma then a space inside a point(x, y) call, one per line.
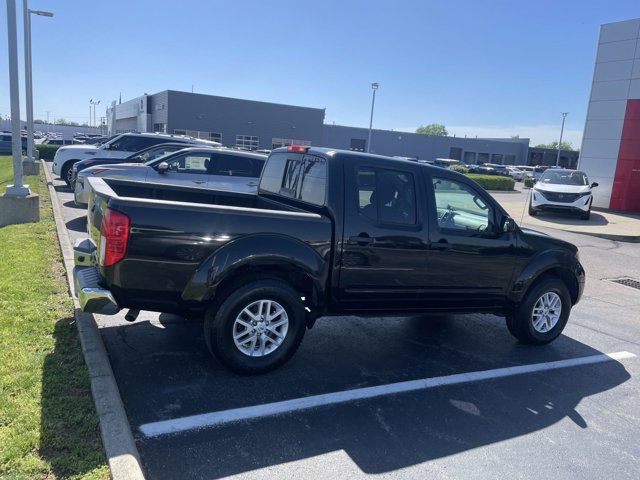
point(261, 247)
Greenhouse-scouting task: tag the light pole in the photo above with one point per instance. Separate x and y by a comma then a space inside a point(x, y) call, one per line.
point(27, 71)
point(17, 189)
point(564, 116)
point(374, 87)
point(93, 103)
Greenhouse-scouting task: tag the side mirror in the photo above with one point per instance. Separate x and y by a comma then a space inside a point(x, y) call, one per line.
point(594, 184)
point(508, 225)
point(163, 167)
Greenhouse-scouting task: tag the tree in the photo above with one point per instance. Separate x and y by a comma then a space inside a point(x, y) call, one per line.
point(61, 121)
point(554, 145)
point(433, 129)
point(515, 137)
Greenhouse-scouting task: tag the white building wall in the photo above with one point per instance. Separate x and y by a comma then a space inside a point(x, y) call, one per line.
point(616, 78)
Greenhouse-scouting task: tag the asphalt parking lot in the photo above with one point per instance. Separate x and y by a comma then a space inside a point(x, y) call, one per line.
point(567, 422)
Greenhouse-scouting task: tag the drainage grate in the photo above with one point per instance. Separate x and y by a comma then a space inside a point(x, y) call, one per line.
point(626, 281)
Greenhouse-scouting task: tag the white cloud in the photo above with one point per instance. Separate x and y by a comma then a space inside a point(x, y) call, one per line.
point(536, 133)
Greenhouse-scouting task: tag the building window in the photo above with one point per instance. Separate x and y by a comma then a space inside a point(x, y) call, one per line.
point(285, 142)
point(496, 158)
point(215, 137)
point(455, 153)
point(249, 142)
point(470, 158)
point(160, 127)
point(179, 132)
point(358, 144)
point(509, 159)
point(483, 158)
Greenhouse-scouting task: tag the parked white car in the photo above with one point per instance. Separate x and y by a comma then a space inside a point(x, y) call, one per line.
point(515, 173)
point(120, 146)
point(562, 190)
point(197, 167)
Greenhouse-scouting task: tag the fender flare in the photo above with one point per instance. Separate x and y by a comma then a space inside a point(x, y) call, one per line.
point(261, 250)
point(539, 265)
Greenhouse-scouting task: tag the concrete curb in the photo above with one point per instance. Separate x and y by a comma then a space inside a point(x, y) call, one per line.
point(117, 439)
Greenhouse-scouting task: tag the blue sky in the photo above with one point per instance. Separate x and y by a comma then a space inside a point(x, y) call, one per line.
point(486, 68)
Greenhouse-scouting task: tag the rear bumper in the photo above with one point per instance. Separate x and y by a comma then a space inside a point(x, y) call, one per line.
point(86, 280)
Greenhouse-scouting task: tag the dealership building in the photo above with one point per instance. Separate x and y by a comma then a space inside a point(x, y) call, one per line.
point(610, 152)
point(262, 125)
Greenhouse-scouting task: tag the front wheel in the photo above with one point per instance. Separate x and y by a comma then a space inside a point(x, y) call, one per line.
point(532, 212)
point(257, 328)
point(543, 312)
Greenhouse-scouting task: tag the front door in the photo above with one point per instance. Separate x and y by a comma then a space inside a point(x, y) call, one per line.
point(384, 247)
point(471, 260)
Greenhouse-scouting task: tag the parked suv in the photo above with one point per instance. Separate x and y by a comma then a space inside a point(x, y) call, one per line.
point(119, 147)
point(562, 190)
point(6, 145)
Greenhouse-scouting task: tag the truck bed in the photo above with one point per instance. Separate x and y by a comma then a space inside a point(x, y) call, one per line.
point(178, 229)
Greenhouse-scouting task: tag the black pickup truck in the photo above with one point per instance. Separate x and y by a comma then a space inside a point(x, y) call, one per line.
point(328, 233)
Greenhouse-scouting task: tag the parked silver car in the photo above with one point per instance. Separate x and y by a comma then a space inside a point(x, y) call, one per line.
point(200, 167)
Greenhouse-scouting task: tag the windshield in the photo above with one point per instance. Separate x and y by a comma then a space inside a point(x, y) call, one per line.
point(108, 142)
point(564, 178)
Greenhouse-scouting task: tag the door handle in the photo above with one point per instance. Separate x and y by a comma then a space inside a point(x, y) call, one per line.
point(253, 184)
point(198, 182)
point(441, 245)
point(361, 240)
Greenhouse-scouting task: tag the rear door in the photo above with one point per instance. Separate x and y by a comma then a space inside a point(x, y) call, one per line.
point(234, 172)
point(187, 169)
point(385, 240)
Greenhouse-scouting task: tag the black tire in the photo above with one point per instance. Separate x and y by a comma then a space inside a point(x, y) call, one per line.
point(219, 327)
point(66, 173)
point(532, 212)
point(520, 321)
point(586, 215)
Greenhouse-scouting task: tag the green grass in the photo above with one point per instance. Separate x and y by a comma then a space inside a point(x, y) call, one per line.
point(48, 425)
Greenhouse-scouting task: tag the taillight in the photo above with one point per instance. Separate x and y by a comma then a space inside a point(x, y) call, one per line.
point(297, 148)
point(114, 236)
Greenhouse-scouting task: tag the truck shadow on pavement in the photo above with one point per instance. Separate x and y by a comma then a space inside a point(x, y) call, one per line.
point(164, 371)
point(69, 432)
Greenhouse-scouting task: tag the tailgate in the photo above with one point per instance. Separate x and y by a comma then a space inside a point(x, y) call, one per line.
point(99, 195)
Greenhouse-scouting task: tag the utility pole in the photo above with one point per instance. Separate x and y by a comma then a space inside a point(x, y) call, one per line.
point(564, 116)
point(374, 87)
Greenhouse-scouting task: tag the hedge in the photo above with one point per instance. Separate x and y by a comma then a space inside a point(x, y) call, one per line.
point(459, 168)
point(47, 151)
point(493, 182)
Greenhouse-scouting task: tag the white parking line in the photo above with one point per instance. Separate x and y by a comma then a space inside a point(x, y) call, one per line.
point(192, 422)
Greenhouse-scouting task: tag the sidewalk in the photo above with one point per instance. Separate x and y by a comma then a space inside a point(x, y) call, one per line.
point(620, 226)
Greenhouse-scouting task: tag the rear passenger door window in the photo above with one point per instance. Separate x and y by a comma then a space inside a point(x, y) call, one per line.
point(386, 196)
point(234, 166)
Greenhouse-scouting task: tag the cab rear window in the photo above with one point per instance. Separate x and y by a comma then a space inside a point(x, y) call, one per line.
point(295, 176)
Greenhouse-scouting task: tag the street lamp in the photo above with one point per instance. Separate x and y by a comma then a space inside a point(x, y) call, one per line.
point(374, 87)
point(564, 116)
point(27, 71)
point(93, 103)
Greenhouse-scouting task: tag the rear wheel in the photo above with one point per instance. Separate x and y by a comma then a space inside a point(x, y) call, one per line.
point(257, 328)
point(543, 312)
